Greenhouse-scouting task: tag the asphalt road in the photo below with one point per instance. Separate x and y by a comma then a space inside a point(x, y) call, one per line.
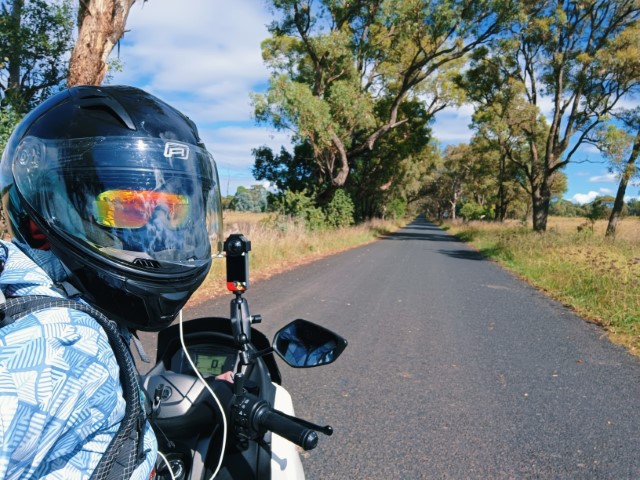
point(454, 369)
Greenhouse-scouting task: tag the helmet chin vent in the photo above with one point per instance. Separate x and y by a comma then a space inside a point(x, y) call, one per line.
point(146, 263)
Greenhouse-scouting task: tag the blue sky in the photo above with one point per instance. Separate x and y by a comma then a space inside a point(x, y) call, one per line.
point(203, 57)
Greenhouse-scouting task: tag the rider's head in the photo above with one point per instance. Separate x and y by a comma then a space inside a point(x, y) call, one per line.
point(125, 193)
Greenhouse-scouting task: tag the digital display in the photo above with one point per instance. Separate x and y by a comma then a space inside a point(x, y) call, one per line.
point(211, 364)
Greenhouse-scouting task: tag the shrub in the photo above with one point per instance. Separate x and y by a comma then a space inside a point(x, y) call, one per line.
point(339, 212)
point(472, 211)
point(302, 207)
point(396, 208)
point(252, 199)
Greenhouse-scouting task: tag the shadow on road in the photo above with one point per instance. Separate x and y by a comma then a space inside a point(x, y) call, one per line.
point(421, 229)
point(434, 237)
point(463, 254)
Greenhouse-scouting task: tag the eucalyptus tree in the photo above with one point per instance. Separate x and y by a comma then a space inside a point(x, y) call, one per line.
point(332, 61)
point(581, 59)
point(504, 178)
point(101, 24)
point(36, 37)
point(391, 174)
point(500, 122)
point(621, 146)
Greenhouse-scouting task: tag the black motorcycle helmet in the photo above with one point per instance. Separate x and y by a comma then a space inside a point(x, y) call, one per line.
point(126, 194)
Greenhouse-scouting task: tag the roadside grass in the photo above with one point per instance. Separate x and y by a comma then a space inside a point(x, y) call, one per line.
point(599, 278)
point(278, 245)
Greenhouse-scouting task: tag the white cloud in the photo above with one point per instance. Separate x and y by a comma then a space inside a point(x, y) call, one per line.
point(452, 124)
point(589, 148)
point(203, 56)
point(193, 45)
point(231, 146)
point(583, 198)
point(607, 178)
point(545, 104)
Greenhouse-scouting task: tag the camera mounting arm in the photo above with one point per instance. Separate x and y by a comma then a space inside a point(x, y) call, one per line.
point(237, 248)
point(240, 320)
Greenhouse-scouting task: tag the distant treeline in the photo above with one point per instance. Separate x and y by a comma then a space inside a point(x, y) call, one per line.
point(600, 208)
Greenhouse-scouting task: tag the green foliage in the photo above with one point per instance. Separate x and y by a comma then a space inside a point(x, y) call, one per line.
point(479, 173)
point(581, 56)
point(302, 207)
point(566, 208)
point(397, 167)
point(507, 128)
point(614, 143)
point(358, 84)
point(226, 201)
point(339, 211)
point(600, 208)
point(341, 72)
point(35, 41)
point(634, 207)
point(473, 211)
point(8, 120)
point(252, 199)
point(295, 172)
point(396, 209)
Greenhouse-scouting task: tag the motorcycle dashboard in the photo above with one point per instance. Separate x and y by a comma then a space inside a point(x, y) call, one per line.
point(209, 360)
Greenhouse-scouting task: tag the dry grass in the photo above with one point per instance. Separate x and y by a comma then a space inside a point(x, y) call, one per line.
point(598, 277)
point(628, 229)
point(278, 245)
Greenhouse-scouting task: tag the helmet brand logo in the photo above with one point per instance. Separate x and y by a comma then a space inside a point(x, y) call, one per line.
point(176, 150)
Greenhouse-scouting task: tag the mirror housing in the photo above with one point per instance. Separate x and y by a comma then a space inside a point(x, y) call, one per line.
point(302, 344)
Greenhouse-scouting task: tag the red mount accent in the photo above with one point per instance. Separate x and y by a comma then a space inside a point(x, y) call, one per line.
point(236, 286)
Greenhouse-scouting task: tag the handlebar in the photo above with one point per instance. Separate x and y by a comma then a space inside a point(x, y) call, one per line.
point(251, 417)
point(279, 424)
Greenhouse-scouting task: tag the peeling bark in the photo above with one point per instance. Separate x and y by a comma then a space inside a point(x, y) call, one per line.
point(101, 24)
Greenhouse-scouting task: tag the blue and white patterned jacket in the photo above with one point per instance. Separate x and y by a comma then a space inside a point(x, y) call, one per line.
point(60, 395)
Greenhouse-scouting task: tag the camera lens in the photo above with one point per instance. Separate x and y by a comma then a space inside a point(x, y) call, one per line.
point(235, 246)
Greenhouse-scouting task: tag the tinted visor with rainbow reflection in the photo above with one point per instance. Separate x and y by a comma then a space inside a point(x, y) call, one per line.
point(134, 208)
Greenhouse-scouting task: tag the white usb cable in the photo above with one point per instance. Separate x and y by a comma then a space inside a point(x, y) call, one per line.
point(224, 417)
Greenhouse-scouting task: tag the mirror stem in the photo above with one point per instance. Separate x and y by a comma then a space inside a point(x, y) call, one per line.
point(262, 353)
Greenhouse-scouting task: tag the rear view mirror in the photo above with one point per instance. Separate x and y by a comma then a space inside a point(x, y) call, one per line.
point(303, 344)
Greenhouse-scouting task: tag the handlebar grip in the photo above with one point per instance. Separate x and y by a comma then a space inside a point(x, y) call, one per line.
point(286, 428)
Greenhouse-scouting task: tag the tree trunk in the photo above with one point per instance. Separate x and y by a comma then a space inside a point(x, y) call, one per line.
point(501, 208)
point(12, 92)
point(101, 24)
point(540, 200)
point(622, 188)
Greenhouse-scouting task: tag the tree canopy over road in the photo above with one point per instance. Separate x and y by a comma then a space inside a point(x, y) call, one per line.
point(358, 83)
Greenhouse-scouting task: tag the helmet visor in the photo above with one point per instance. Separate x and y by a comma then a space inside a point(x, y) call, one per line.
point(128, 198)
